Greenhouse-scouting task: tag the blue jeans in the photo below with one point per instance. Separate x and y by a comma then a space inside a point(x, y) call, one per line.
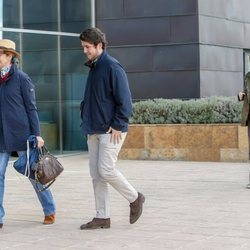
point(45, 197)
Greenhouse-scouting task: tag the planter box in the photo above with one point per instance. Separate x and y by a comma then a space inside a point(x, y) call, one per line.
point(183, 142)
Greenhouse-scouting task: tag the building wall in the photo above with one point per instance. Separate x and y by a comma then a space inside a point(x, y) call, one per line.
point(224, 34)
point(169, 48)
point(157, 42)
point(178, 48)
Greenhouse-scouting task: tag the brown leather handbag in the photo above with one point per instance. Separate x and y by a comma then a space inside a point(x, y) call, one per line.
point(47, 169)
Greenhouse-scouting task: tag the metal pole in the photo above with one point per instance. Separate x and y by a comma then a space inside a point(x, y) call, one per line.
point(21, 34)
point(59, 77)
point(92, 13)
point(1, 18)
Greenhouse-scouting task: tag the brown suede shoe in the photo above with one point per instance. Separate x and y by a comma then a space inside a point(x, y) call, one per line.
point(1, 225)
point(136, 208)
point(49, 219)
point(96, 223)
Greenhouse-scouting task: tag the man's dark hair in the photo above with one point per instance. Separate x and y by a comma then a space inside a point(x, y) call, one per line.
point(94, 36)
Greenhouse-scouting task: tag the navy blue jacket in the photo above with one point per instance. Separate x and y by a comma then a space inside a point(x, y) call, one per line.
point(107, 98)
point(18, 111)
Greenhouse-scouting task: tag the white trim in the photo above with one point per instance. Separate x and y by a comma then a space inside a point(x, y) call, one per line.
point(39, 32)
point(1, 18)
point(60, 109)
point(92, 13)
point(21, 13)
point(20, 34)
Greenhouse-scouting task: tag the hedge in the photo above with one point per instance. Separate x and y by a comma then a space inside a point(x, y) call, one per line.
point(194, 111)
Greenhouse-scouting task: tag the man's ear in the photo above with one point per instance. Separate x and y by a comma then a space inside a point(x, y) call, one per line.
point(99, 46)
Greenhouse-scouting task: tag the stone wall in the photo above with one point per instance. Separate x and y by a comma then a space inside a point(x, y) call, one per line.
point(206, 142)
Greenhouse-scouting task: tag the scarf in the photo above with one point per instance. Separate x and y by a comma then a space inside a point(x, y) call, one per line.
point(4, 73)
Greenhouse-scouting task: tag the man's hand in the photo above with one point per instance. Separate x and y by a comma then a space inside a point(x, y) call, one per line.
point(241, 96)
point(116, 135)
point(40, 141)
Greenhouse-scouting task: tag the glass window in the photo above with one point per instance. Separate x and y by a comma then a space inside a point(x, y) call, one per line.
point(73, 80)
point(11, 17)
point(40, 62)
point(247, 61)
point(75, 17)
point(55, 64)
point(40, 15)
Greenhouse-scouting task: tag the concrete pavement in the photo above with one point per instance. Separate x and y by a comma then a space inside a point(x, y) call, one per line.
point(189, 205)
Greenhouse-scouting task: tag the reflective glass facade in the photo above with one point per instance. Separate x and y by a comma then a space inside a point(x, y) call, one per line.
point(46, 34)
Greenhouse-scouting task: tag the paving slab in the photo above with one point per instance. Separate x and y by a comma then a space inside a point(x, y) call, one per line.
point(189, 205)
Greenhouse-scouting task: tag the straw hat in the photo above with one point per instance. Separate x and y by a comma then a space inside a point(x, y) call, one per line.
point(10, 46)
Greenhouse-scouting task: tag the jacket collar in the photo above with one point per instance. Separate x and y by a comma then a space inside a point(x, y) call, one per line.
point(93, 64)
point(13, 69)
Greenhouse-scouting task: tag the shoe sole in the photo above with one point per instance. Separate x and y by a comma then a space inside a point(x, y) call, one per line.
point(48, 223)
point(103, 227)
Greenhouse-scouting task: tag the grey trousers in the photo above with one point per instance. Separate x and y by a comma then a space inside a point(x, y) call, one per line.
point(103, 156)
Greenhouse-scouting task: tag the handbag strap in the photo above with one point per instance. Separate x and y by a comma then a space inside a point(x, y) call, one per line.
point(43, 151)
point(27, 168)
point(44, 186)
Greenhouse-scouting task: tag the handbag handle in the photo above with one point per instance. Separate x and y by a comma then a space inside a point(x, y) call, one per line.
point(27, 168)
point(44, 186)
point(43, 151)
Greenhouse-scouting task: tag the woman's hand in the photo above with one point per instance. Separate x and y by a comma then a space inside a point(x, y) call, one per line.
point(40, 141)
point(116, 135)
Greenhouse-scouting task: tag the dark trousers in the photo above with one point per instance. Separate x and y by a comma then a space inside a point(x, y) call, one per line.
point(248, 125)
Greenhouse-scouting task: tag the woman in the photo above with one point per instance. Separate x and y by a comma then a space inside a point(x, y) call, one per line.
point(18, 120)
point(245, 96)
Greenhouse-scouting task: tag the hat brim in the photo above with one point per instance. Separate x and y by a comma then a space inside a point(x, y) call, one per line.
point(11, 51)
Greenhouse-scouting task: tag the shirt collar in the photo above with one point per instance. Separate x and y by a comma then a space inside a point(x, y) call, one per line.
point(92, 64)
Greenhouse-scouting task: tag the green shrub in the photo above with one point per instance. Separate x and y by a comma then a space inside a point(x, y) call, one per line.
point(194, 111)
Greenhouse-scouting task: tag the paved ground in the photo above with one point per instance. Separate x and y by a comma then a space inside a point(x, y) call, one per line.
point(189, 205)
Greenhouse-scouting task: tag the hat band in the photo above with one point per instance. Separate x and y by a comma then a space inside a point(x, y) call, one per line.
point(10, 50)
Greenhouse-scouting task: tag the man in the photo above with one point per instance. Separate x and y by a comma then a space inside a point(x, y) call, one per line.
point(105, 112)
